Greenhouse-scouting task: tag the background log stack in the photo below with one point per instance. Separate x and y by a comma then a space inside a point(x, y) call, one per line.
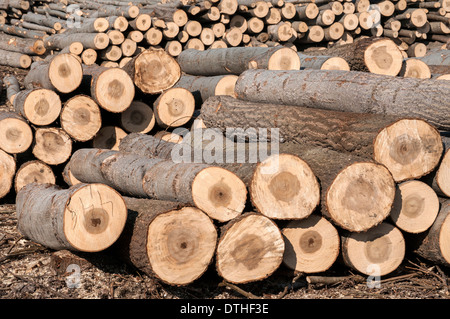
point(108, 108)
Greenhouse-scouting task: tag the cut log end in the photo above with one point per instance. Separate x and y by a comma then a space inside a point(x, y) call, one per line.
point(138, 118)
point(383, 57)
point(52, 145)
point(335, 63)
point(108, 137)
point(361, 196)
point(174, 107)
point(219, 193)
point(251, 249)
point(81, 118)
point(7, 172)
point(33, 172)
point(415, 207)
point(94, 217)
point(39, 106)
point(226, 85)
point(312, 244)
point(181, 245)
point(415, 68)
point(284, 59)
point(409, 148)
point(377, 252)
point(443, 175)
point(284, 187)
point(16, 135)
point(65, 72)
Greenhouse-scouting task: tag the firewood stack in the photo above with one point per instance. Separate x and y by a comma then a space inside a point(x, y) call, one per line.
point(246, 158)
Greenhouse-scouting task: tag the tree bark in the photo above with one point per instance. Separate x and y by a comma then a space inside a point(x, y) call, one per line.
point(167, 240)
point(22, 45)
point(15, 59)
point(85, 217)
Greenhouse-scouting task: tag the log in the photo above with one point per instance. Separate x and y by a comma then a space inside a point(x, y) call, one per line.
point(108, 137)
point(12, 87)
point(377, 252)
point(415, 208)
point(63, 73)
point(52, 145)
point(439, 180)
point(322, 62)
point(167, 240)
point(97, 41)
point(138, 118)
point(22, 45)
point(374, 93)
point(33, 171)
point(80, 118)
point(153, 71)
point(433, 244)
point(390, 140)
point(15, 59)
point(111, 88)
point(250, 249)
point(7, 172)
point(85, 217)
point(89, 56)
point(236, 60)
point(203, 87)
point(312, 244)
point(174, 107)
point(16, 135)
point(216, 191)
point(375, 55)
point(415, 68)
point(68, 177)
point(437, 57)
point(39, 106)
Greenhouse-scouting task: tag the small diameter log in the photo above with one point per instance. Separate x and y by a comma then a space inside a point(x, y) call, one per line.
point(96, 41)
point(81, 118)
point(322, 62)
point(15, 59)
point(68, 177)
point(224, 61)
point(415, 68)
point(12, 87)
point(62, 74)
point(108, 137)
point(214, 190)
point(138, 118)
point(283, 186)
point(166, 240)
point(174, 107)
point(390, 140)
point(16, 135)
point(376, 252)
point(38, 106)
point(111, 88)
point(433, 244)
point(312, 244)
point(89, 56)
point(7, 172)
point(33, 172)
point(203, 87)
point(415, 208)
point(153, 71)
point(85, 217)
point(375, 55)
point(52, 145)
point(250, 249)
point(420, 98)
point(22, 45)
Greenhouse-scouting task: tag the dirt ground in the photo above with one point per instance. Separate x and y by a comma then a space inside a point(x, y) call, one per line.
point(30, 271)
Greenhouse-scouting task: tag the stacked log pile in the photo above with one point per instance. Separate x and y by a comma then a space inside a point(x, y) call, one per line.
point(242, 158)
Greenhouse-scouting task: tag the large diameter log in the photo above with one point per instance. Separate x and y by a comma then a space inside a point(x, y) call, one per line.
point(433, 244)
point(85, 217)
point(80, 118)
point(250, 249)
point(15, 59)
point(38, 106)
point(63, 74)
point(376, 252)
point(111, 88)
point(312, 244)
point(52, 145)
point(33, 171)
point(153, 71)
point(202, 87)
point(216, 191)
point(7, 172)
point(235, 60)
point(167, 240)
point(408, 148)
point(16, 135)
point(375, 55)
point(351, 92)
